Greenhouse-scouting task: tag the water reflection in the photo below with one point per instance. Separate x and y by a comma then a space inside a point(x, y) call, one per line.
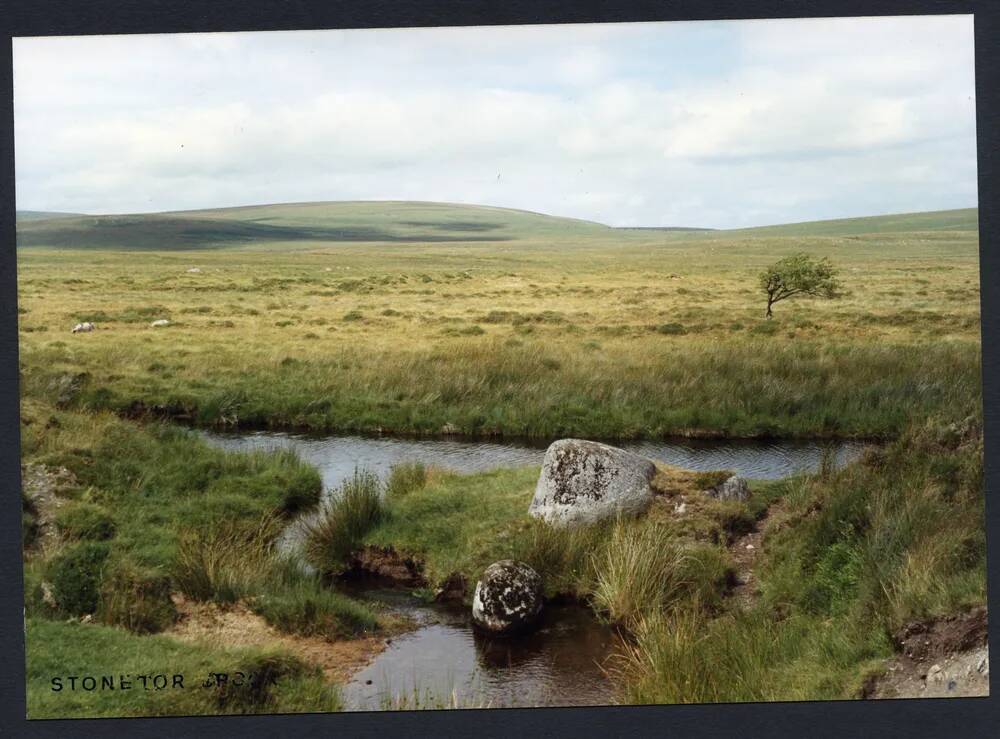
point(445, 661)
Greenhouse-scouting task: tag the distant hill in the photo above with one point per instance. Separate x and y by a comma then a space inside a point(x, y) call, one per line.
point(672, 229)
point(966, 219)
point(41, 215)
point(320, 223)
point(363, 221)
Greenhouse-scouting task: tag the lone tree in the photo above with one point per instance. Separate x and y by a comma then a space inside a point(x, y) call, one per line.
point(799, 274)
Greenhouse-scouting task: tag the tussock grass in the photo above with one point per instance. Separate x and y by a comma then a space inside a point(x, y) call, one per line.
point(404, 478)
point(226, 562)
point(565, 348)
point(856, 554)
point(309, 609)
point(637, 572)
point(75, 574)
point(341, 524)
point(135, 598)
point(84, 520)
point(858, 366)
point(563, 556)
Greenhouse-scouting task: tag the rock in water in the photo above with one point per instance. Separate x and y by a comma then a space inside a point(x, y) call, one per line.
point(735, 488)
point(583, 482)
point(508, 598)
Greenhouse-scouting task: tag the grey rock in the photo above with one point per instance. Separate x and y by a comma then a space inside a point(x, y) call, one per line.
point(508, 598)
point(735, 488)
point(583, 482)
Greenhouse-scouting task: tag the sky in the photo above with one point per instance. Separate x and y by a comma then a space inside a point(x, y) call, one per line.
point(720, 124)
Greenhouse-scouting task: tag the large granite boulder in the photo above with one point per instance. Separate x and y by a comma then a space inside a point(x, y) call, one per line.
point(735, 488)
point(583, 482)
point(508, 598)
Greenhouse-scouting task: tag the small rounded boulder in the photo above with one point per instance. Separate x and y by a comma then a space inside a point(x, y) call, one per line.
point(508, 598)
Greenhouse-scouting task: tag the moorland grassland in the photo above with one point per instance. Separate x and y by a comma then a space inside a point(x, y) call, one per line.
point(419, 318)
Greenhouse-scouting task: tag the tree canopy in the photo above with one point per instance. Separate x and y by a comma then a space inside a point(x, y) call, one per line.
point(799, 274)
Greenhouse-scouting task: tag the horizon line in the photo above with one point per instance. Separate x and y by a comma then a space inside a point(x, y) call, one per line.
point(485, 206)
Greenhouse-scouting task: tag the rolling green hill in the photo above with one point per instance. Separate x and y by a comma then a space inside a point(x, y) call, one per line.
point(965, 219)
point(41, 215)
point(404, 222)
point(371, 221)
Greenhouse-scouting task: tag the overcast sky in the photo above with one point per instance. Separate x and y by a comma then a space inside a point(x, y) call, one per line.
point(720, 124)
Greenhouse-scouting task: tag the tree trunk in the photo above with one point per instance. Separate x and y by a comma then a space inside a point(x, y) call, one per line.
point(767, 313)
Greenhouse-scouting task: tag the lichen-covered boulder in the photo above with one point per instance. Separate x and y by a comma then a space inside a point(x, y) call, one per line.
point(508, 598)
point(583, 482)
point(735, 488)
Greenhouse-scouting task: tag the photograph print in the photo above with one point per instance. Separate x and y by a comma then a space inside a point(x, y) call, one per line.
point(509, 366)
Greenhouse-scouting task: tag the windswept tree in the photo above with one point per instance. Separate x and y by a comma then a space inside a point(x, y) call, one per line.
point(799, 274)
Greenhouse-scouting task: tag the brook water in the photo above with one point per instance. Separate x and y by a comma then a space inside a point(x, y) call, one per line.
point(337, 456)
point(443, 661)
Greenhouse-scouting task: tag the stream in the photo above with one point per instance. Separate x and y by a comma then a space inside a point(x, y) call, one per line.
point(336, 456)
point(443, 662)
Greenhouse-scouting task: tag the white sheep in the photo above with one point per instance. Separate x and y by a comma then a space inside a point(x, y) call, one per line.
point(83, 327)
point(194, 270)
point(159, 322)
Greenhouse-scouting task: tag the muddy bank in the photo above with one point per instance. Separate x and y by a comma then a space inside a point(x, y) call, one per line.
point(941, 658)
point(188, 415)
point(236, 625)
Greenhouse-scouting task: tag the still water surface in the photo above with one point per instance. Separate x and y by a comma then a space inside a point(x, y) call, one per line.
point(336, 457)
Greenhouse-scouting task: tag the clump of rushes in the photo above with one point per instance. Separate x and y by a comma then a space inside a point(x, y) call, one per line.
point(226, 562)
point(135, 598)
point(406, 477)
point(338, 528)
point(637, 572)
point(75, 575)
point(563, 556)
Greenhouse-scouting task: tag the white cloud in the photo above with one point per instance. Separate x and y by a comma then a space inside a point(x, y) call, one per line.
point(771, 121)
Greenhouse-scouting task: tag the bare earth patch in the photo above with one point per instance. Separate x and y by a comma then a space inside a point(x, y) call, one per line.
point(237, 626)
point(944, 658)
point(44, 486)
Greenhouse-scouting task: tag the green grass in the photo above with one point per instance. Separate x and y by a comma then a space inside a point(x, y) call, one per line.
point(856, 555)
point(310, 610)
point(460, 523)
point(963, 219)
point(160, 480)
point(637, 573)
point(190, 519)
point(342, 523)
point(432, 318)
point(226, 562)
point(84, 520)
point(64, 649)
point(748, 657)
point(737, 388)
point(498, 337)
point(463, 523)
point(405, 477)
